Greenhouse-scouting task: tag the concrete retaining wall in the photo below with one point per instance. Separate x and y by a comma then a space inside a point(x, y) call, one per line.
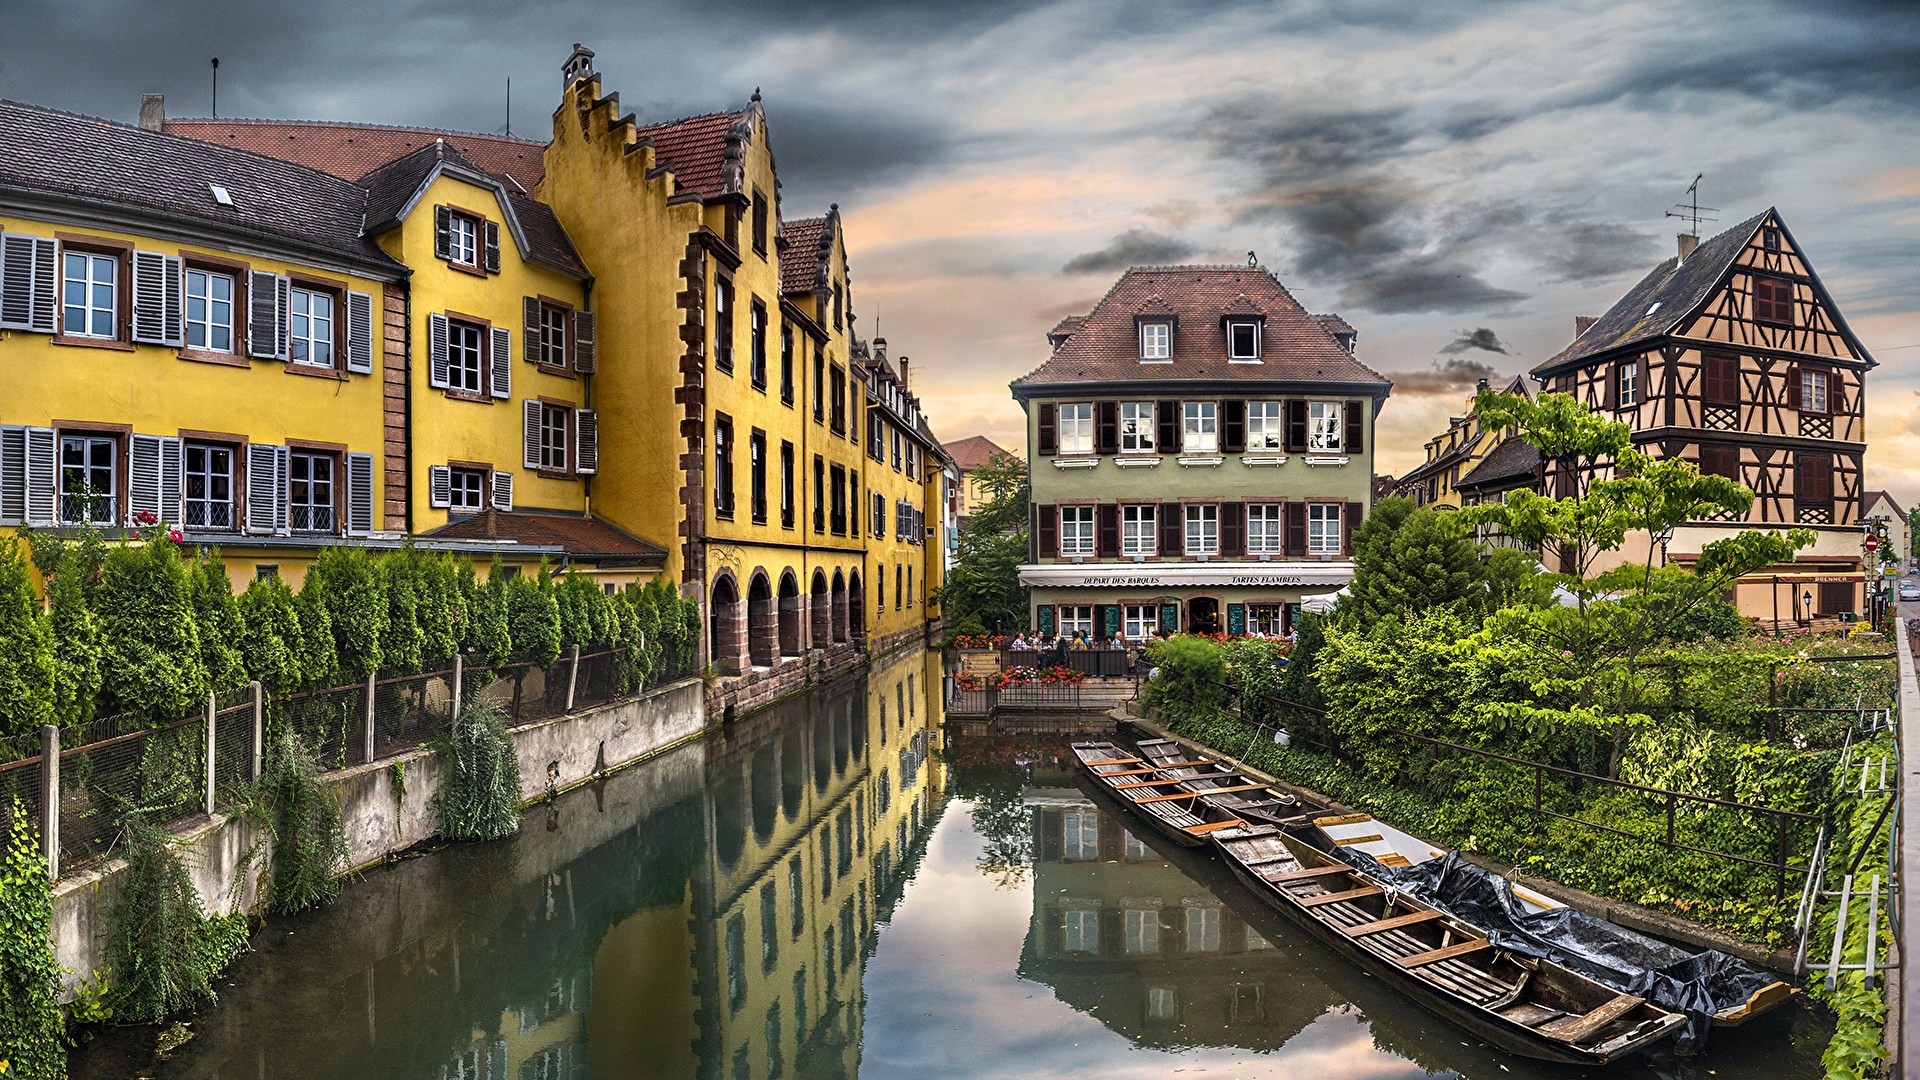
point(381, 819)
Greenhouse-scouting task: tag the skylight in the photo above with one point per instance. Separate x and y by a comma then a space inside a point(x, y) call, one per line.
point(220, 195)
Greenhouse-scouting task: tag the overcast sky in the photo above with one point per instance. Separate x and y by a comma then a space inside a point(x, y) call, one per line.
point(1458, 179)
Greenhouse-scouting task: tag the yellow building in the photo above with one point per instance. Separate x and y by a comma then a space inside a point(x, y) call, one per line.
point(905, 493)
point(1468, 464)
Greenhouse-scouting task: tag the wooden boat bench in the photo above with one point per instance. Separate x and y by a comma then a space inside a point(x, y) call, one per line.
point(1197, 794)
point(1582, 1028)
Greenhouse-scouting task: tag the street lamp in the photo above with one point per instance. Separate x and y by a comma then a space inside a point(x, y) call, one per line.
point(1664, 536)
point(1806, 602)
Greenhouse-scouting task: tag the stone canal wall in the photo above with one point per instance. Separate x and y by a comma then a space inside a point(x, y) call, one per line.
point(386, 808)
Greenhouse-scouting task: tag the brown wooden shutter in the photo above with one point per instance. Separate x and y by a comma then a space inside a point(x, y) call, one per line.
point(1610, 393)
point(1356, 441)
point(583, 342)
point(1107, 432)
point(1722, 380)
point(1349, 520)
point(1167, 416)
point(1173, 530)
point(1793, 387)
point(1296, 426)
point(1296, 543)
point(1047, 530)
point(1233, 520)
point(1814, 482)
point(493, 247)
point(1720, 461)
point(532, 332)
point(442, 233)
point(1233, 426)
point(1109, 530)
point(1048, 442)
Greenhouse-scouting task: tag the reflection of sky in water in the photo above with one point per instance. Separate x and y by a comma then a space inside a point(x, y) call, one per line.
point(943, 999)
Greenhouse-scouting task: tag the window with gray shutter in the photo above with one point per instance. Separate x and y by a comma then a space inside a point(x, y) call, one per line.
point(442, 233)
point(159, 315)
point(583, 342)
point(586, 429)
point(283, 302)
point(439, 486)
point(13, 475)
point(530, 329)
point(437, 374)
point(28, 271)
point(266, 316)
point(153, 478)
point(530, 433)
point(264, 488)
point(502, 490)
point(360, 333)
point(359, 494)
point(500, 354)
point(43, 475)
point(493, 247)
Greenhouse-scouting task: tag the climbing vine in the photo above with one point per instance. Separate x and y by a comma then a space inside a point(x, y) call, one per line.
point(309, 844)
point(479, 796)
point(163, 947)
point(30, 1024)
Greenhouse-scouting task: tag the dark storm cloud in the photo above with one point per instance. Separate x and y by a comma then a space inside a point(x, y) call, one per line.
point(1481, 338)
point(1444, 377)
point(825, 153)
point(1131, 248)
point(1583, 251)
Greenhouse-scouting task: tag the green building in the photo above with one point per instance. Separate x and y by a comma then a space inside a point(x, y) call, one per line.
point(1201, 451)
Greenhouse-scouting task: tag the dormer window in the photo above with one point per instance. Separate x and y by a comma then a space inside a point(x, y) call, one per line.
point(1243, 340)
point(1156, 342)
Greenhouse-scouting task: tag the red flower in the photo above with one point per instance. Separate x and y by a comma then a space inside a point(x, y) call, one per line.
point(174, 535)
point(145, 517)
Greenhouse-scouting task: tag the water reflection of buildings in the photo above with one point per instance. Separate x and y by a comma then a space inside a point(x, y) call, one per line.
point(1122, 934)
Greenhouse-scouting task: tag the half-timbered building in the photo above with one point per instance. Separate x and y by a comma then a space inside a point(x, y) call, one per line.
point(1735, 357)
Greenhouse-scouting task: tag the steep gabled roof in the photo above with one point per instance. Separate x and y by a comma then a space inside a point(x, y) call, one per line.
point(1663, 300)
point(1514, 459)
point(1443, 462)
point(580, 537)
point(1867, 498)
point(393, 187)
point(805, 246)
point(695, 148)
point(973, 451)
point(102, 161)
point(352, 150)
point(1105, 345)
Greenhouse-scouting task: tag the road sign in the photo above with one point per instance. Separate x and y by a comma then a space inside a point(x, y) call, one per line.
point(1873, 543)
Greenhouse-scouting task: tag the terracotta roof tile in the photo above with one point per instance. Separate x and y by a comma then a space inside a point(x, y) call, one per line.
point(90, 158)
point(1104, 346)
point(353, 150)
point(972, 452)
point(695, 148)
point(579, 537)
point(803, 251)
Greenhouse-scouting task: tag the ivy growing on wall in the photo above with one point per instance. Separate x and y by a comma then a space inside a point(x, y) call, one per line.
point(30, 1024)
point(26, 653)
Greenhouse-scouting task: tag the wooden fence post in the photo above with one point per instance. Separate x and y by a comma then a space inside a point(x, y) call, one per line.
point(371, 678)
point(259, 731)
point(213, 710)
point(573, 677)
point(50, 798)
point(459, 672)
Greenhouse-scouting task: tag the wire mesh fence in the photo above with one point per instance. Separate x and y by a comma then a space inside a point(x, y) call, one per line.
point(22, 786)
point(160, 772)
point(235, 744)
point(603, 677)
point(332, 723)
point(410, 711)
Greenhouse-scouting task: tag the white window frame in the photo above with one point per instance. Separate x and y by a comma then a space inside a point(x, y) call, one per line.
point(1234, 325)
point(1156, 342)
point(1813, 389)
point(98, 298)
point(1077, 530)
point(105, 503)
point(208, 319)
point(463, 239)
point(1266, 426)
point(310, 334)
point(1074, 427)
point(1199, 427)
point(1630, 383)
point(1268, 619)
point(1326, 423)
point(462, 483)
point(1140, 621)
point(1202, 528)
point(1081, 930)
point(553, 437)
point(208, 478)
point(1073, 617)
point(1080, 835)
point(553, 336)
point(1162, 1003)
point(1323, 528)
point(1266, 525)
point(1203, 928)
point(466, 360)
point(1136, 427)
point(1142, 931)
point(1139, 525)
point(298, 510)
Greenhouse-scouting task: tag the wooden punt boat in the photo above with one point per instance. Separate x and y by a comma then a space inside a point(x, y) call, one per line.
point(1179, 815)
point(1225, 787)
point(1521, 1004)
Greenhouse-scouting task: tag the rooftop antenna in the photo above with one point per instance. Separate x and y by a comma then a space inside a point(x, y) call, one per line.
point(1689, 211)
point(1251, 261)
point(216, 88)
point(509, 106)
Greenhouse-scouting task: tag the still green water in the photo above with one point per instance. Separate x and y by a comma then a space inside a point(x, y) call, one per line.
point(838, 887)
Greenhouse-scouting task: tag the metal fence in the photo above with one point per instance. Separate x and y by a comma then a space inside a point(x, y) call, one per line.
point(987, 701)
point(107, 767)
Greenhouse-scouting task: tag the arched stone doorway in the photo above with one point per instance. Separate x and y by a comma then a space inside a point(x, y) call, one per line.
point(821, 612)
point(763, 623)
point(792, 638)
point(726, 627)
point(839, 607)
point(856, 606)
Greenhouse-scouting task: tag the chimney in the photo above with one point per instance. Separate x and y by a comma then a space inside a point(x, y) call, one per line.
point(153, 112)
point(1479, 386)
point(1581, 323)
point(879, 348)
point(579, 66)
point(904, 384)
point(1688, 242)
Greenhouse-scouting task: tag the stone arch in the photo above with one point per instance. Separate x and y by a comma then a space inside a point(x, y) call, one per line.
point(839, 607)
point(727, 625)
point(856, 606)
point(820, 610)
point(792, 632)
point(763, 622)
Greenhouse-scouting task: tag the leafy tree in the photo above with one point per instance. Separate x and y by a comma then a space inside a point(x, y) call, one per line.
point(533, 617)
point(1192, 675)
point(1423, 560)
point(217, 619)
point(486, 636)
point(319, 658)
point(26, 655)
point(985, 580)
point(441, 609)
point(150, 644)
point(356, 606)
point(270, 636)
point(401, 640)
point(76, 641)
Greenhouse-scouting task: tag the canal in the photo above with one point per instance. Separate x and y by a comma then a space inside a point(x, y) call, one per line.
point(838, 887)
